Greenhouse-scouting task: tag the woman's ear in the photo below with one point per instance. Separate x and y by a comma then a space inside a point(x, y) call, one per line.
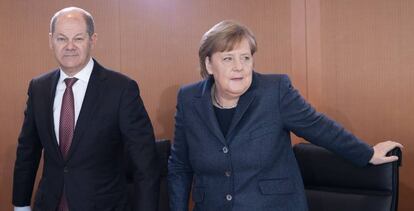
point(208, 65)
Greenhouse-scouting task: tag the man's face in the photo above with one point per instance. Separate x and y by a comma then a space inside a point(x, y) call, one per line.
point(71, 42)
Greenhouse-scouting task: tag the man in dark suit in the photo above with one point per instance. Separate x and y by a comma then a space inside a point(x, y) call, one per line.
point(83, 117)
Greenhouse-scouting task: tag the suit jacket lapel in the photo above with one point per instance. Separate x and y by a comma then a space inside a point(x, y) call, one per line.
point(244, 103)
point(88, 106)
point(51, 123)
point(204, 108)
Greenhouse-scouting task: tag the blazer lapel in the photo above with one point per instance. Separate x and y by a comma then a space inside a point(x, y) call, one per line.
point(88, 106)
point(204, 108)
point(51, 122)
point(244, 103)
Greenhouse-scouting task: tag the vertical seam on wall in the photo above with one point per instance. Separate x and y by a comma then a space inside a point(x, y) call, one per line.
point(306, 50)
point(120, 36)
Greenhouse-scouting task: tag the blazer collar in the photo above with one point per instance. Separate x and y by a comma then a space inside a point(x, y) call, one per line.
point(89, 105)
point(52, 87)
point(243, 105)
point(204, 107)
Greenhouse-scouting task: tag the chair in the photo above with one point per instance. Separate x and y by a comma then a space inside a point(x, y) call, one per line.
point(334, 184)
point(163, 151)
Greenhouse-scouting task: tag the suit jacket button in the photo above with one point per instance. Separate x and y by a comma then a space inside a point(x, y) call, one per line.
point(66, 169)
point(227, 173)
point(229, 197)
point(225, 150)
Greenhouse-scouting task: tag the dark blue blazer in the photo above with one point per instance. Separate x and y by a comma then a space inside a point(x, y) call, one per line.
point(253, 167)
point(112, 118)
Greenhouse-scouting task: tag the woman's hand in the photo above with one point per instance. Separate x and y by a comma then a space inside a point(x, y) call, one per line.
point(380, 152)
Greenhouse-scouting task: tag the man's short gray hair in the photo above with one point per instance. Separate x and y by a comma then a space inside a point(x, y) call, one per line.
point(90, 24)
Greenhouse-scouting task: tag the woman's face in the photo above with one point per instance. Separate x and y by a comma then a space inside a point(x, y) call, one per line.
point(232, 70)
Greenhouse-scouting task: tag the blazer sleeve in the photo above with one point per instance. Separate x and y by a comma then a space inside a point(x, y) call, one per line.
point(138, 135)
point(303, 120)
point(180, 173)
point(29, 151)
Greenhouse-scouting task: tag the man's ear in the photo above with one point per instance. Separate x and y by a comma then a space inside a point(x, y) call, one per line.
point(50, 40)
point(94, 38)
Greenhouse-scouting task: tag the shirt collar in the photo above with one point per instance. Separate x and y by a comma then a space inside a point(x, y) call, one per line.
point(82, 75)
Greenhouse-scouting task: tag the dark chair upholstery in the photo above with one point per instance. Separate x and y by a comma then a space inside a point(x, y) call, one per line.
point(163, 151)
point(334, 184)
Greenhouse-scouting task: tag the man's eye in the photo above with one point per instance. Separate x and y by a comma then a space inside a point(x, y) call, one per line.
point(60, 39)
point(79, 39)
point(227, 59)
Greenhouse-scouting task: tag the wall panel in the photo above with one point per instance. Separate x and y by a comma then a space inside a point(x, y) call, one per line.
point(352, 59)
point(160, 40)
point(25, 54)
point(367, 73)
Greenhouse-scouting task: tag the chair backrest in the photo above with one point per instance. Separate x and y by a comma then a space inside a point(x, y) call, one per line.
point(332, 183)
point(163, 150)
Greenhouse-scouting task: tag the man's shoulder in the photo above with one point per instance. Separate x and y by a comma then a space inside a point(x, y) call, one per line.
point(45, 79)
point(49, 75)
point(114, 77)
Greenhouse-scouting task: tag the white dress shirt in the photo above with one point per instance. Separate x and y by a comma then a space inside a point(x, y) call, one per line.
point(79, 90)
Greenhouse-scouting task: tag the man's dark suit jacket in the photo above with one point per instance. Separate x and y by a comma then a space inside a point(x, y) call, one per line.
point(253, 167)
point(112, 118)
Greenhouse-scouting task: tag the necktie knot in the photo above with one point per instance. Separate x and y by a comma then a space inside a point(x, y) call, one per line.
point(70, 81)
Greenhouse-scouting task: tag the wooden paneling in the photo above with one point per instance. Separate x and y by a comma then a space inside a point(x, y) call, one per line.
point(153, 41)
point(367, 73)
point(160, 40)
point(25, 54)
point(22, 57)
point(351, 59)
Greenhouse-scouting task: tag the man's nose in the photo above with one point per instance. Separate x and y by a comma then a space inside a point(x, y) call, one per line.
point(70, 45)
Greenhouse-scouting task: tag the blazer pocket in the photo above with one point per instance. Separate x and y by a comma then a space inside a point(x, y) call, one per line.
point(276, 186)
point(262, 131)
point(198, 194)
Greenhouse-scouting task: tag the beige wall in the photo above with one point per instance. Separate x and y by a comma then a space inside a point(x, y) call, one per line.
point(351, 59)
